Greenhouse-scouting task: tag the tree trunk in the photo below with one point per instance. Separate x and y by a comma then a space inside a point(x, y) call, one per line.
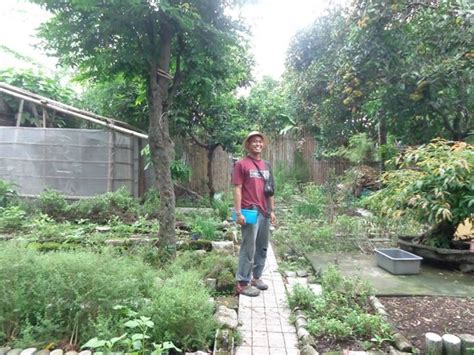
point(161, 145)
point(382, 138)
point(441, 234)
point(210, 178)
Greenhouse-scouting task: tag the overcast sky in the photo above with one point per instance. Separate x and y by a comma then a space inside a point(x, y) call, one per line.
point(273, 23)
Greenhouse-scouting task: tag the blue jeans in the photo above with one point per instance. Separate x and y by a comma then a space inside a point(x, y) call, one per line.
point(253, 250)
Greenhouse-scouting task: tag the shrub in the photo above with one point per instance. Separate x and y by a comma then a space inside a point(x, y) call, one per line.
point(285, 182)
point(209, 265)
point(150, 203)
point(103, 207)
point(183, 313)
point(222, 204)
point(93, 208)
point(8, 194)
point(52, 203)
point(56, 296)
point(341, 311)
point(434, 185)
point(11, 218)
point(314, 202)
point(121, 200)
point(205, 227)
point(360, 150)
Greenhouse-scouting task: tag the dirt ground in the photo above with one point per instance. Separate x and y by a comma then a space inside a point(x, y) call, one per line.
point(415, 316)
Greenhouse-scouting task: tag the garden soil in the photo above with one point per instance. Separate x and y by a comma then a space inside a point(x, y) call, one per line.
point(415, 316)
point(435, 300)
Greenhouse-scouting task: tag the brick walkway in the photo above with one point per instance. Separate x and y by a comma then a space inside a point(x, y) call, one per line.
point(265, 325)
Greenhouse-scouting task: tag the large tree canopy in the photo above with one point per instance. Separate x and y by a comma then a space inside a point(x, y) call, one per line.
point(154, 41)
point(400, 67)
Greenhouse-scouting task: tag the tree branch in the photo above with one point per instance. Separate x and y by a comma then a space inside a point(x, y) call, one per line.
point(197, 141)
point(446, 123)
point(178, 74)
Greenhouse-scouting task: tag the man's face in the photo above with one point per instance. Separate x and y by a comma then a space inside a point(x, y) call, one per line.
point(255, 145)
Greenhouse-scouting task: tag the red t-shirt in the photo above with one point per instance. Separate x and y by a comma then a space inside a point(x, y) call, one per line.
point(246, 174)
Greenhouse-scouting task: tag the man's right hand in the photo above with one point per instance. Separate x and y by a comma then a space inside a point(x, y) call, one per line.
point(240, 220)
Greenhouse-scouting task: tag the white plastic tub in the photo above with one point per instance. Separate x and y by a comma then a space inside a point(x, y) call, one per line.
point(398, 261)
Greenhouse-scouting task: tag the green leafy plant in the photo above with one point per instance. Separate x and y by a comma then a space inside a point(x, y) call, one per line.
point(222, 204)
point(49, 306)
point(137, 343)
point(360, 150)
point(341, 311)
point(52, 203)
point(7, 193)
point(434, 185)
point(286, 182)
point(150, 203)
point(205, 227)
point(41, 84)
point(12, 219)
point(104, 207)
point(179, 170)
point(182, 311)
point(313, 203)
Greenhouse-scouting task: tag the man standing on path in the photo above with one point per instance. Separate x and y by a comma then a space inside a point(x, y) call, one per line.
point(248, 177)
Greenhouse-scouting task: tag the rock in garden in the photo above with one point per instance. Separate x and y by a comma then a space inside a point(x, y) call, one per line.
point(227, 317)
point(43, 352)
point(292, 281)
point(394, 351)
point(4, 350)
point(467, 343)
point(402, 343)
point(307, 339)
point(223, 342)
point(29, 351)
point(301, 332)
point(302, 273)
point(223, 247)
point(308, 350)
point(192, 211)
point(301, 322)
point(211, 283)
point(451, 344)
point(231, 235)
point(316, 288)
point(114, 242)
point(57, 352)
point(198, 353)
point(364, 213)
point(290, 273)
point(85, 352)
point(102, 229)
point(14, 352)
point(139, 240)
point(75, 353)
point(200, 252)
